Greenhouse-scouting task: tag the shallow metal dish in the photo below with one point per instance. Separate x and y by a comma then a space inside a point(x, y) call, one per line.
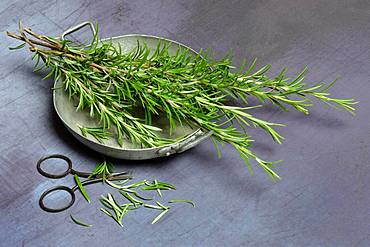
point(66, 111)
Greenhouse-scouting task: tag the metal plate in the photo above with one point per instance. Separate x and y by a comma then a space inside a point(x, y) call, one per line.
point(66, 110)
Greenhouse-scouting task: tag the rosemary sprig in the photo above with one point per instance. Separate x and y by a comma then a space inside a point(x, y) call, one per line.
point(112, 85)
point(102, 169)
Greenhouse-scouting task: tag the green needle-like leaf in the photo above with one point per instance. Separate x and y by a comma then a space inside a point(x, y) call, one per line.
point(78, 222)
point(159, 216)
point(186, 201)
point(152, 206)
point(81, 188)
point(17, 47)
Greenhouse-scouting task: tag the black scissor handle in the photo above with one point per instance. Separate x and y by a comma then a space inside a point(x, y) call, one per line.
point(56, 188)
point(54, 156)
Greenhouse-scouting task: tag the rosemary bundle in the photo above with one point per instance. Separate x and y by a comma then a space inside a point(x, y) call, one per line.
point(198, 90)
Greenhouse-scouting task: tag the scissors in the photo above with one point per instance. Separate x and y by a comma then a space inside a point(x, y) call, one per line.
point(90, 179)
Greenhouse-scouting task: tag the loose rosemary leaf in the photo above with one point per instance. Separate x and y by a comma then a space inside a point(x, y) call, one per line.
point(152, 206)
point(17, 47)
point(78, 222)
point(159, 216)
point(158, 186)
point(81, 188)
point(135, 185)
point(158, 190)
point(141, 197)
point(162, 206)
point(122, 182)
point(106, 212)
point(186, 201)
point(130, 198)
point(114, 185)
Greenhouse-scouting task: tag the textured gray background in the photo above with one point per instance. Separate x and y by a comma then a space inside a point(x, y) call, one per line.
point(323, 199)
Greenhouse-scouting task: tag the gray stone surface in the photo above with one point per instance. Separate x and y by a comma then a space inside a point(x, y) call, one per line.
point(323, 198)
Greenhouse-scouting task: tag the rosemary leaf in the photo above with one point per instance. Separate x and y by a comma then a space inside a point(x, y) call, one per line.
point(130, 198)
point(162, 206)
point(122, 182)
point(158, 190)
point(159, 216)
point(78, 222)
point(81, 188)
point(106, 212)
point(186, 201)
point(114, 185)
point(17, 47)
point(141, 197)
point(152, 206)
